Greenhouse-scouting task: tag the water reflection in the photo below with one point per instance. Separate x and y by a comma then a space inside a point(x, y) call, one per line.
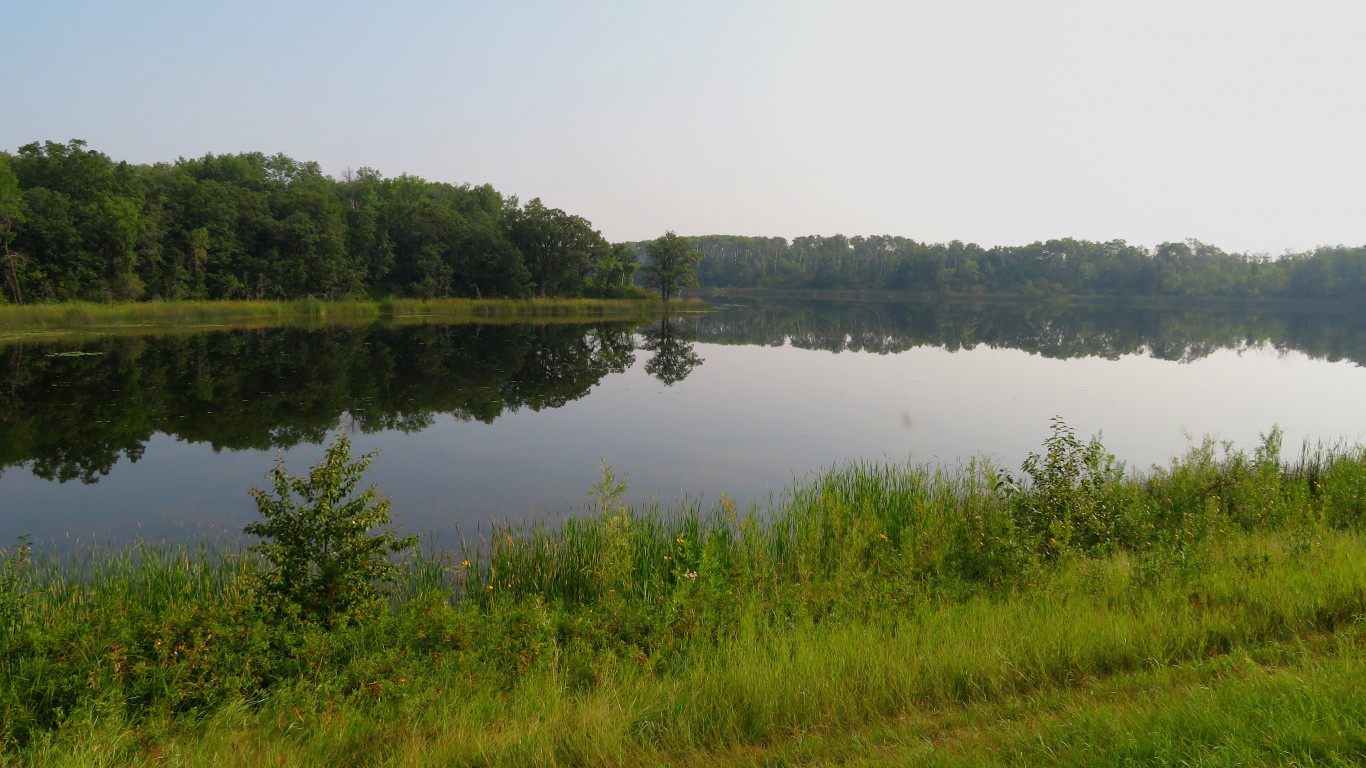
point(74, 410)
point(1107, 331)
point(671, 343)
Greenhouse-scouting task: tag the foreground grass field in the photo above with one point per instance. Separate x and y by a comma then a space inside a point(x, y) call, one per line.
point(1212, 612)
point(48, 319)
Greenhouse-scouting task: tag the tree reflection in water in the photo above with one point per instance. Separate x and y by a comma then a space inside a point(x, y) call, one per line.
point(674, 357)
point(71, 410)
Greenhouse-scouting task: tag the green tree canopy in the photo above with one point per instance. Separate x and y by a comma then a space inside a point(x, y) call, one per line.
point(11, 216)
point(673, 265)
point(75, 224)
point(78, 225)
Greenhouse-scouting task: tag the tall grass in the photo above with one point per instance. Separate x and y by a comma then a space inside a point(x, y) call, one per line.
point(79, 316)
point(538, 308)
point(870, 596)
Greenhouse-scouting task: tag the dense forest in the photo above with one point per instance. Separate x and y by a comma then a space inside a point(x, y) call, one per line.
point(75, 224)
point(1056, 267)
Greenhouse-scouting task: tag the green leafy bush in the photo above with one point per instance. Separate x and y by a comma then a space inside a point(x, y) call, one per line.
point(1068, 502)
point(328, 551)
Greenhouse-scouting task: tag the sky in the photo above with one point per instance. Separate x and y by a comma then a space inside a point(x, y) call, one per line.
point(1242, 124)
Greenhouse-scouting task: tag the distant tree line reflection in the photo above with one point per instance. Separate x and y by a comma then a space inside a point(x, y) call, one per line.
point(72, 410)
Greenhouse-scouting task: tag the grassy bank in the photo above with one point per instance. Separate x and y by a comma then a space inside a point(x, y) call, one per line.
point(1209, 612)
point(86, 317)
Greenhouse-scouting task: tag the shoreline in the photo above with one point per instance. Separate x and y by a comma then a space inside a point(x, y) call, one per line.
point(881, 610)
point(19, 322)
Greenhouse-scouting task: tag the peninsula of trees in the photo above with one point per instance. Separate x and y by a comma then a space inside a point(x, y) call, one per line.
point(75, 224)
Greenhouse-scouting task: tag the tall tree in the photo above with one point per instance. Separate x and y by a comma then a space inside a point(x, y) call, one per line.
point(11, 216)
point(613, 269)
point(559, 248)
point(85, 218)
point(673, 264)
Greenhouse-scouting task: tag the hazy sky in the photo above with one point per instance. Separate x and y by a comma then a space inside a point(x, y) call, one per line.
point(1239, 123)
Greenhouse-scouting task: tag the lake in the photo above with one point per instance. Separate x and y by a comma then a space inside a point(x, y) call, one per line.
point(160, 435)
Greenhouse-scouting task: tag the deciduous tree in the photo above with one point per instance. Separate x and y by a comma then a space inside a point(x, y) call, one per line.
point(11, 216)
point(673, 265)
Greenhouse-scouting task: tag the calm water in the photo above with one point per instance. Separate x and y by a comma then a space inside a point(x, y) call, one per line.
point(163, 435)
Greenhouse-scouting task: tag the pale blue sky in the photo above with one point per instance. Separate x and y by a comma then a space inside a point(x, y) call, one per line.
point(1239, 123)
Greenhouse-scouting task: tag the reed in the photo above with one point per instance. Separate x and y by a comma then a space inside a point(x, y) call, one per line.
point(85, 316)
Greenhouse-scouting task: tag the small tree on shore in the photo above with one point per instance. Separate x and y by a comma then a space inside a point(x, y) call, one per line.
point(673, 265)
point(329, 552)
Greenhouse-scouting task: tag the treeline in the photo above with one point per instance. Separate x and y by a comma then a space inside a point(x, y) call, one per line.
point(1056, 267)
point(75, 224)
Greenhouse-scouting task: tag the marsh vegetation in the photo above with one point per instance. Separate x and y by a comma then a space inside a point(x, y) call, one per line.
point(1070, 612)
point(51, 321)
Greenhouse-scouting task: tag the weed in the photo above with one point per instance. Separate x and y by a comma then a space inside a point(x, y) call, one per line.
point(12, 566)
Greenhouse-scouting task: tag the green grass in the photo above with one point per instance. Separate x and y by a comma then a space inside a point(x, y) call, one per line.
point(34, 319)
point(1210, 612)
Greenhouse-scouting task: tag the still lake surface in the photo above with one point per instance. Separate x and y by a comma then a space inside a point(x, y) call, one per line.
point(160, 436)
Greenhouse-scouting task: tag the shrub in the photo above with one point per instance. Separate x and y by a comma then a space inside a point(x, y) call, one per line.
point(1069, 499)
point(329, 553)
